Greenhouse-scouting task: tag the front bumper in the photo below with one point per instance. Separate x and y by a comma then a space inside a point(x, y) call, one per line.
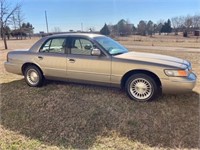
point(179, 84)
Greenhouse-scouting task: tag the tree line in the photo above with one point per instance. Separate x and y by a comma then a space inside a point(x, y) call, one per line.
point(183, 24)
point(12, 16)
point(25, 30)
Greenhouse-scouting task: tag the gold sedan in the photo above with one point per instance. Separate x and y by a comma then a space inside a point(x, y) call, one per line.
point(97, 59)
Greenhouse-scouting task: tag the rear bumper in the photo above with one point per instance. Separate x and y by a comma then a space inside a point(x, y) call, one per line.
point(179, 84)
point(13, 68)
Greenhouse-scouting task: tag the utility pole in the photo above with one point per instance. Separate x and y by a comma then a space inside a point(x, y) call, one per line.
point(82, 27)
point(46, 22)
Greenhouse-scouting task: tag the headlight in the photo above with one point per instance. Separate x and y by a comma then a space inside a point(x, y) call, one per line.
point(177, 73)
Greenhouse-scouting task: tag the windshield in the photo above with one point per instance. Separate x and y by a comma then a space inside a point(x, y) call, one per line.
point(111, 46)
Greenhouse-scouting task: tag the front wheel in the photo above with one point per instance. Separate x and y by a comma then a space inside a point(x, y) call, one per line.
point(33, 76)
point(141, 88)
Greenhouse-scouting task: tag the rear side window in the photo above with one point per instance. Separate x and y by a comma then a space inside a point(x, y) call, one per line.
point(56, 45)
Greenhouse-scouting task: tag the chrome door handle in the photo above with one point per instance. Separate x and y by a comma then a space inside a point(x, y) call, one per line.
point(40, 57)
point(71, 60)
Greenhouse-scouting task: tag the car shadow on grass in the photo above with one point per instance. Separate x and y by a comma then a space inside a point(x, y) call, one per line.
point(71, 115)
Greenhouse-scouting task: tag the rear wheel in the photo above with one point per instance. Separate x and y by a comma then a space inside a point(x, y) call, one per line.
point(33, 76)
point(141, 88)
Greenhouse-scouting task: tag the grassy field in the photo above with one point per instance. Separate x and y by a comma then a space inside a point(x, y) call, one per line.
point(161, 40)
point(72, 116)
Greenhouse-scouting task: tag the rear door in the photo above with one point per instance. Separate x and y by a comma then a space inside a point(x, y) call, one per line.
point(52, 57)
point(81, 65)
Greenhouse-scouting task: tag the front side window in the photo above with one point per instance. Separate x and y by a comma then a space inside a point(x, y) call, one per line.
point(81, 46)
point(56, 45)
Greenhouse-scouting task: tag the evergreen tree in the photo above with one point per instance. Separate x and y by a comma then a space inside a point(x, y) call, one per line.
point(124, 27)
point(105, 30)
point(166, 28)
point(134, 29)
point(150, 28)
point(142, 26)
point(121, 26)
point(169, 26)
point(27, 28)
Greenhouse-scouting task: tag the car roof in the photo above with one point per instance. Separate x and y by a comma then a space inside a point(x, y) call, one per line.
point(38, 44)
point(91, 35)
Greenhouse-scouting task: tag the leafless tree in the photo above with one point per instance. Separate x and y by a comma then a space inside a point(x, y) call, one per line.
point(19, 20)
point(178, 23)
point(56, 30)
point(159, 25)
point(91, 29)
point(196, 21)
point(6, 13)
point(175, 24)
point(14, 20)
point(188, 25)
point(188, 22)
point(181, 27)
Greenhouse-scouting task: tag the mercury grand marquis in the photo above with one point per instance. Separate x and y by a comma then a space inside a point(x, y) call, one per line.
point(97, 59)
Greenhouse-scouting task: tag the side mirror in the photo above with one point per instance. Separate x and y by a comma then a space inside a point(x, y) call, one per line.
point(96, 52)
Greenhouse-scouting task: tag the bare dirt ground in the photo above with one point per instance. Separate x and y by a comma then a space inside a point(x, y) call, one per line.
point(72, 116)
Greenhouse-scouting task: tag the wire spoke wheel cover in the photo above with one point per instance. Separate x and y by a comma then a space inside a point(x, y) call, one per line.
point(141, 88)
point(32, 76)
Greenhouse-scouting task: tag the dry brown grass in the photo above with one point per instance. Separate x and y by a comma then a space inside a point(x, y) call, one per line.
point(72, 116)
point(161, 40)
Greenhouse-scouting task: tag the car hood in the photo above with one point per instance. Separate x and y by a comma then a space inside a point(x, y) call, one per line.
point(155, 58)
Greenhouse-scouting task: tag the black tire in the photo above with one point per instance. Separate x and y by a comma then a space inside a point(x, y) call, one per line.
point(142, 88)
point(33, 76)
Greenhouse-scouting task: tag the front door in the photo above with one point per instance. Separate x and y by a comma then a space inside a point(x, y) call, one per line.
point(81, 65)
